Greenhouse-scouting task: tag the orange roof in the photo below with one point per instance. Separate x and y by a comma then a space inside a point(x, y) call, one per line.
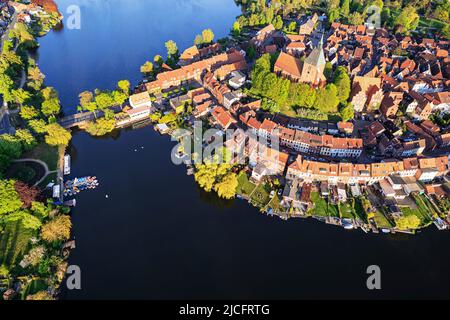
point(222, 116)
point(190, 53)
point(289, 64)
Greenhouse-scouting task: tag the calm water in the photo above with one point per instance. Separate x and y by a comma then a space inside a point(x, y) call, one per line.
point(159, 236)
point(117, 36)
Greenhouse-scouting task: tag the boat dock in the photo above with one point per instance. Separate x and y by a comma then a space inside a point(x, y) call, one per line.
point(67, 164)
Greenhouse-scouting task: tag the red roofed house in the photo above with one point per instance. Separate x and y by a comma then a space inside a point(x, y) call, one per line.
point(222, 117)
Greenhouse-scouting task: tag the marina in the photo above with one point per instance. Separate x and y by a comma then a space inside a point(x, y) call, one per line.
point(75, 186)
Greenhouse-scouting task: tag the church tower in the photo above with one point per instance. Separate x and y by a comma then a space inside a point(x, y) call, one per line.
point(314, 65)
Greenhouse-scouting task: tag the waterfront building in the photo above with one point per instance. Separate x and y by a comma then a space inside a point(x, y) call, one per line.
point(140, 100)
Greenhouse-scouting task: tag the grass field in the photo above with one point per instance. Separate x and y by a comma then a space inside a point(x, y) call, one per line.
point(320, 205)
point(275, 205)
point(245, 187)
point(381, 221)
point(359, 210)
point(346, 210)
point(425, 204)
point(14, 243)
point(260, 197)
point(422, 212)
point(322, 208)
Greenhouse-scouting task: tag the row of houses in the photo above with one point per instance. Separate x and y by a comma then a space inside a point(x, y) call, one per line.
point(305, 142)
point(223, 63)
point(422, 169)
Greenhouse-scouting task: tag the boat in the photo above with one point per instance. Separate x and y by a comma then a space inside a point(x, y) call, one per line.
point(66, 164)
point(75, 186)
point(347, 224)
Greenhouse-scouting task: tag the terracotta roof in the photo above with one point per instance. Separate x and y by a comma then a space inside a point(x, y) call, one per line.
point(289, 64)
point(222, 116)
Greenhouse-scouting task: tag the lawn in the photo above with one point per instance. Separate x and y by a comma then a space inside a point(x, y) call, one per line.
point(322, 208)
point(424, 219)
point(275, 205)
point(261, 196)
point(333, 210)
point(245, 187)
point(14, 243)
point(346, 210)
point(426, 206)
point(46, 153)
point(320, 205)
point(359, 210)
point(381, 220)
point(421, 212)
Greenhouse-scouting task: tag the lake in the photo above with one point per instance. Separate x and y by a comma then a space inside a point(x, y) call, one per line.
point(117, 36)
point(157, 235)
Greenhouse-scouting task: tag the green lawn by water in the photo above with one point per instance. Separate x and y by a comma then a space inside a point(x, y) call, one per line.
point(245, 187)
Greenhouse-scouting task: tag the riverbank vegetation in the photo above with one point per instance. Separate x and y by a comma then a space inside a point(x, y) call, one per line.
point(32, 263)
point(32, 231)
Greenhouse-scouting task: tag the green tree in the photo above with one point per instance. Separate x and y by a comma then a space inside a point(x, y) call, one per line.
point(101, 127)
point(51, 104)
point(124, 86)
point(236, 30)
point(172, 49)
point(408, 19)
point(9, 198)
point(10, 148)
point(207, 36)
point(327, 100)
point(35, 78)
point(441, 13)
point(345, 8)
point(27, 140)
point(407, 222)
point(57, 229)
point(104, 100)
point(328, 71)
point(227, 187)
point(40, 209)
point(343, 84)
point(86, 100)
point(278, 24)
point(147, 68)
point(198, 40)
point(119, 97)
point(347, 112)
point(158, 60)
point(39, 126)
point(28, 112)
point(356, 19)
point(57, 135)
point(27, 220)
point(6, 87)
point(21, 96)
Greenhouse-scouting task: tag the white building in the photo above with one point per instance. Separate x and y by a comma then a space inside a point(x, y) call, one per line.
point(140, 100)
